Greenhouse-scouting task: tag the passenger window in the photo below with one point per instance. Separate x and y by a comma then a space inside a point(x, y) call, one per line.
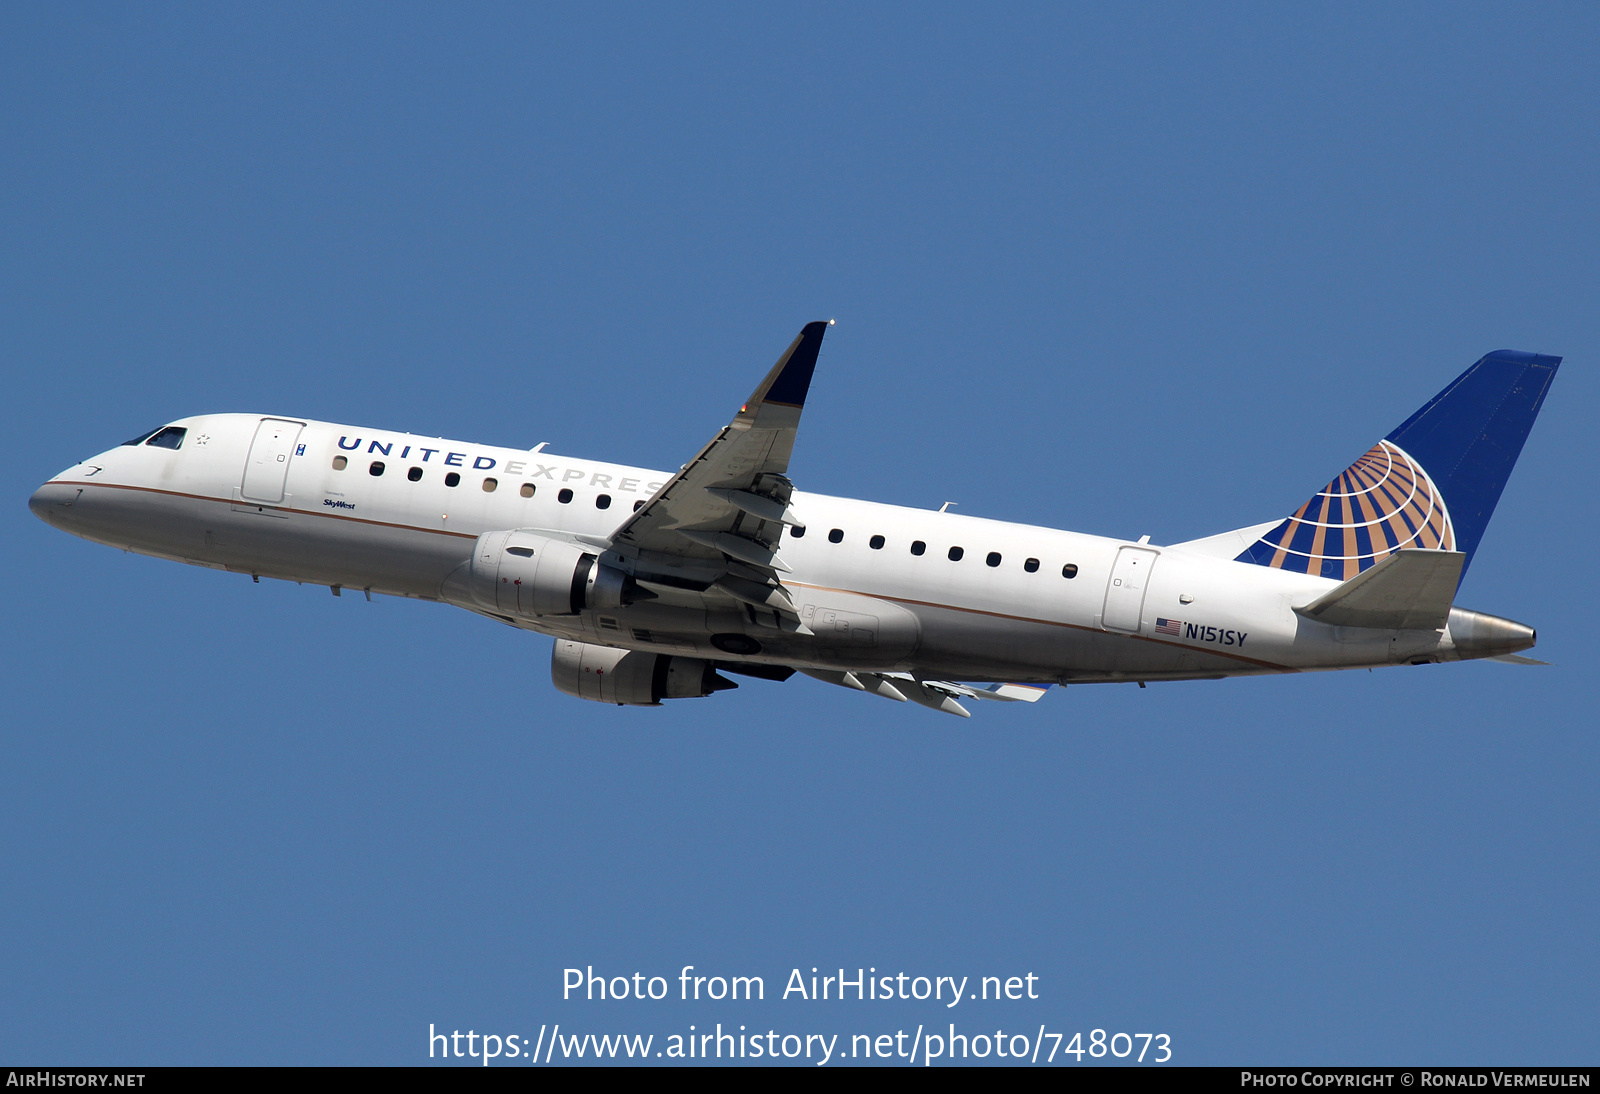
point(170, 437)
point(917, 547)
point(340, 463)
point(876, 543)
point(956, 553)
point(603, 501)
point(564, 497)
point(452, 479)
point(376, 469)
point(1070, 570)
point(415, 474)
point(836, 536)
point(796, 531)
point(638, 505)
point(993, 559)
point(489, 485)
point(527, 489)
point(1032, 565)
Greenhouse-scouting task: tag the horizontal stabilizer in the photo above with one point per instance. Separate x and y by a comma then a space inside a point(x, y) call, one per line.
point(1408, 590)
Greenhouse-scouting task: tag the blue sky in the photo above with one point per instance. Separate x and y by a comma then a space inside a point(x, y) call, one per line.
point(1129, 270)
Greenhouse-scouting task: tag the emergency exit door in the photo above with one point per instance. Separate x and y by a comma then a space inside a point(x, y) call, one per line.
point(1130, 576)
point(267, 466)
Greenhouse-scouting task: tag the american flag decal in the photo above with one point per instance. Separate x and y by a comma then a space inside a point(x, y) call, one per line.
point(1173, 627)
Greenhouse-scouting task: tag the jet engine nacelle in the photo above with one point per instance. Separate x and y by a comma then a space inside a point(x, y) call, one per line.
point(631, 677)
point(526, 574)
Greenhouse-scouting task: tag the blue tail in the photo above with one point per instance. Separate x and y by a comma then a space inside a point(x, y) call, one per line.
point(1433, 482)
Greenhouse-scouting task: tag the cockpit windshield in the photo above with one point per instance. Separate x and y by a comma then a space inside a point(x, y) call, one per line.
point(170, 436)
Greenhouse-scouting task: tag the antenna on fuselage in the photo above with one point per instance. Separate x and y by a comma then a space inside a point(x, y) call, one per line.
point(946, 506)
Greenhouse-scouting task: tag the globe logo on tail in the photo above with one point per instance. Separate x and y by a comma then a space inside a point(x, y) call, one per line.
point(1382, 503)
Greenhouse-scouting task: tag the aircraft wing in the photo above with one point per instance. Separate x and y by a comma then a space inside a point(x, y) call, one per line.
point(724, 512)
point(938, 694)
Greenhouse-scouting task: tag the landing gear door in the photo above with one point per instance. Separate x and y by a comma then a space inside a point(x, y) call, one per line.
point(1130, 577)
point(267, 466)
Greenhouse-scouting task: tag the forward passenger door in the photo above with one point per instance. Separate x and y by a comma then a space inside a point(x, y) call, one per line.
point(267, 467)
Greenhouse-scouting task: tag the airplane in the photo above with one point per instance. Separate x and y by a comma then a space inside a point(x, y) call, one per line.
point(659, 585)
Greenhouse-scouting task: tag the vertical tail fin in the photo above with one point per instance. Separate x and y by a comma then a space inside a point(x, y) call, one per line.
point(1431, 483)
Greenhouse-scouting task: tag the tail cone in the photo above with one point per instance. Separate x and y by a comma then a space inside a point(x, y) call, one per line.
point(1477, 634)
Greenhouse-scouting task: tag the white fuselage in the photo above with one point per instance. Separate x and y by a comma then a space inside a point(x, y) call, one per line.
point(1127, 612)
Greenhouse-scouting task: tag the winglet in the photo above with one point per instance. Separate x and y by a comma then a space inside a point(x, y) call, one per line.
point(790, 378)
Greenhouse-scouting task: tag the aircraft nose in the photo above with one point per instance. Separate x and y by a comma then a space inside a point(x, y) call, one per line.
point(51, 500)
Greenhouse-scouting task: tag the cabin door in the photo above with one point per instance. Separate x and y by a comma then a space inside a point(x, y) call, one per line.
point(1130, 576)
point(267, 466)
